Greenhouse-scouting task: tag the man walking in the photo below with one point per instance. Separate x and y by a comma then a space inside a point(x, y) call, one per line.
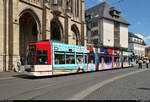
point(147, 62)
point(140, 63)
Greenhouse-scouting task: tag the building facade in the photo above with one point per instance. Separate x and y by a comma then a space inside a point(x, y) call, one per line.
point(136, 45)
point(106, 28)
point(32, 20)
point(147, 51)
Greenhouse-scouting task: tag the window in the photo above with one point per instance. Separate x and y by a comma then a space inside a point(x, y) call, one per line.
point(78, 57)
point(107, 59)
point(95, 24)
point(85, 58)
point(94, 33)
point(116, 34)
point(41, 57)
point(101, 59)
point(70, 59)
point(73, 35)
point(30, 54)
point(91, 59)
point(125, 59)
point(116, 59)
point(51, 1)
point(71, 6)
point(59, 58)
point(77, 8)
point(59, 2)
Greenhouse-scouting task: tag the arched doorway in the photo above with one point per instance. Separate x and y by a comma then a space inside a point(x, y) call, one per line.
point(56, 31)
point(28, 31)
point(75, 34)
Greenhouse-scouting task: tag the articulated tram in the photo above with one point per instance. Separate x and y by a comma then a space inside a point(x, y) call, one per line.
point(44, 58)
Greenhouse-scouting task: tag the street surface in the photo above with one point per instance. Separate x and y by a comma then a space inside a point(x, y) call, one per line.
point(123, 84)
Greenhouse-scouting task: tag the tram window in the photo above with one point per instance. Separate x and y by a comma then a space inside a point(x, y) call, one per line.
point(59, 58)
point(30, 58)
point(107, 59)
point(91, 59)
point(131, 59)
point(30, 54)
point(70, 59)
point(100, 59)
point(41, 57)
point(116, 59)
point(78, 57)
point(125, 59)
point(85, 58)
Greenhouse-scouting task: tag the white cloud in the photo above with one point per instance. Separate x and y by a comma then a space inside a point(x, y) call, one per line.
point(139, 22)
point(147, 38)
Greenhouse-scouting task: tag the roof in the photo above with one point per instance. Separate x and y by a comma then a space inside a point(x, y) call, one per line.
point(133, 35)
point(103, 11)
point(130, 34)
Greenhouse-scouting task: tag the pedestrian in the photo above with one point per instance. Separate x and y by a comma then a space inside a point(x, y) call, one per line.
point(147, 62)
point(80, 65)
point(19, 66)
point(140, 63)
point(14, 68)
point(22, 60)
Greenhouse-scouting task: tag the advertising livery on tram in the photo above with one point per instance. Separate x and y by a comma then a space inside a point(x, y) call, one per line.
point(44, 58)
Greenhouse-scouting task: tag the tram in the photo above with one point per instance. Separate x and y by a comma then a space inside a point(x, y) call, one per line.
point(47, 58)
point(53, 58)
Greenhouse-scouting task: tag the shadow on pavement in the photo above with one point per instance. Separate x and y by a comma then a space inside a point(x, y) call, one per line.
point(147, 89)
point(72, 74)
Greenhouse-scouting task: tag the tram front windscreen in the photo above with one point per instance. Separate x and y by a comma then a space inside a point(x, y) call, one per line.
point(30, 56)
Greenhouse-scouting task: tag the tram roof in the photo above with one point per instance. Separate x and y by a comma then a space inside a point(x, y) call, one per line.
point(42, 41)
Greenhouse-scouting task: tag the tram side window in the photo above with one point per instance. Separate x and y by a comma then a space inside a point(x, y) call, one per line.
point(116, 59)
point(85, 58)
point(41, 57)
point(78, 57)
point(125, 59)
point(91, 59)
point(70, 59)
point(59, 58)
point(30, 54)
point(30, 58)
point(101, 59)
point(107, 59)
point(131, 59)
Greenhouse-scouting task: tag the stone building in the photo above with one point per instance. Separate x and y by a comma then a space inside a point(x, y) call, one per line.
point(31, 20)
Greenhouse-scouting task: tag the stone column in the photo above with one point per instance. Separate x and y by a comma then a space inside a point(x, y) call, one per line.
point(83, 26)
point(44, 13)
point(1, 35)
point(15, 42)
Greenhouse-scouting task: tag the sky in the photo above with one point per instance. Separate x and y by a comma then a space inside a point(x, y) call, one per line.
point(136, 12)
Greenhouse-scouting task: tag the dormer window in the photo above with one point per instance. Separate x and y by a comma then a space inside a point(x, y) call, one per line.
point(114, 13)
